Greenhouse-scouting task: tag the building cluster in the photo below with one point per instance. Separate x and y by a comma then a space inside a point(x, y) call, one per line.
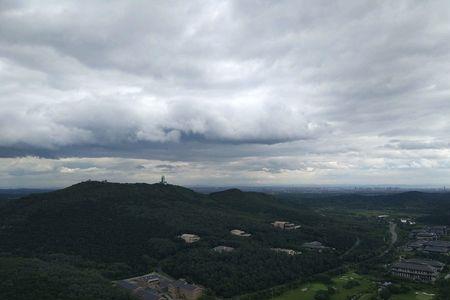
point(429, 233)
point(155, 286)
point(428, 240)
point(285, 225)
point(417, 269)
point(190, 238)
point(407, 221)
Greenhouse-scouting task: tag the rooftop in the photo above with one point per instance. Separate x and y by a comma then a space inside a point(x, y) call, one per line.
point(184, 285)
point(413, 266)
point(144, 288)
point(315, 245)
point(223, 249)
point(436, 249)
point(430, 262)
point(419, 264)
point(140, 292)
point(439, 243)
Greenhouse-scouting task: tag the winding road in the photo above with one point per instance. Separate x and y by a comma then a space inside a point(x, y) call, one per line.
point(393, 231)
point(394, 237)
point(356, 244)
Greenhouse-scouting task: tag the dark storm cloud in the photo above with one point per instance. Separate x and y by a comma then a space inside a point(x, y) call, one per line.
point(241, 86)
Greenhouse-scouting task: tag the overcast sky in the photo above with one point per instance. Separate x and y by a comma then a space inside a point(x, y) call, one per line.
point(225, 92)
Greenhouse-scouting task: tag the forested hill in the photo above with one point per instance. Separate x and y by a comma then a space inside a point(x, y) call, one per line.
point(112, 221)
point(121, 230)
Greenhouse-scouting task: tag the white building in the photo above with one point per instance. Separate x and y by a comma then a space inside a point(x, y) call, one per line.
point(239, 232)
point(285, 225)
point(222, 249)
point(190, 238)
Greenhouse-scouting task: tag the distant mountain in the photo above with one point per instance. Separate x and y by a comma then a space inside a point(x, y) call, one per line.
point(411, 199)
point(433, 208)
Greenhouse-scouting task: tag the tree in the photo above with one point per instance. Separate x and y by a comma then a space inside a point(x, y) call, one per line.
point(351, 284)
point(322, 295)
point(385, 294)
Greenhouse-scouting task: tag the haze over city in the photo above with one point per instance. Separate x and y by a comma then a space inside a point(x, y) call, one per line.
point(225, 92)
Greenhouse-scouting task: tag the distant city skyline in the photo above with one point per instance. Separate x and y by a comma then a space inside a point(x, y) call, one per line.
point(225, 93)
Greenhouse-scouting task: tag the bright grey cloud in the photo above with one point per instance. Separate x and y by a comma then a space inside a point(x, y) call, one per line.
point(263, 91)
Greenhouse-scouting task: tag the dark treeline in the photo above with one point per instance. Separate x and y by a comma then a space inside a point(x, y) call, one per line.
point(435, 207)
point(22, 278)
point(404, 201)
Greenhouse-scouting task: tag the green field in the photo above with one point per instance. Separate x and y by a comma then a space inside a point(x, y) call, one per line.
point(413, 296)
point(365, 290)
point(307, 291)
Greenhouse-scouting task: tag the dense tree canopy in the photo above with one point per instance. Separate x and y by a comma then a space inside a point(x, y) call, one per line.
point(25, 279)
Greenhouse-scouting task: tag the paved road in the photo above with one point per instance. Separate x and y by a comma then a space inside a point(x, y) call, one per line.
point(394, 237)
point(393, 231)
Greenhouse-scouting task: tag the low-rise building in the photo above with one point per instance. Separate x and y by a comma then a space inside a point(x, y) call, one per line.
point(190, 238)
point(180, 289)
point(438, 230)
point(316, 245)
point(222, 249)
point(155, 286)
point(415, 245)
point(417, 269)
point(427, 236)
point(407, 221)
point(286, 251)
point(429, 232)
point(139, 292)
point(438, 247)
point(239, 232)
point(434, 263)
point(285, 225)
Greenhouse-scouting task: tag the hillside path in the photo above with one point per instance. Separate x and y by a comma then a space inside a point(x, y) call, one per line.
point(394, 237)
point(356, 244)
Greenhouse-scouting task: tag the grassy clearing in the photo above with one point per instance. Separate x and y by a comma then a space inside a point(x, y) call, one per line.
point(365, 290)
point(413, 296)
point(375, 213)
point(307, 291)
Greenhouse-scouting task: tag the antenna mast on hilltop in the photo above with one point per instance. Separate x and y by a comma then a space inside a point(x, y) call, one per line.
point(163, 180)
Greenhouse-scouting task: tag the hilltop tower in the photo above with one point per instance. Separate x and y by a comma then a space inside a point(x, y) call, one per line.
point(163, 180)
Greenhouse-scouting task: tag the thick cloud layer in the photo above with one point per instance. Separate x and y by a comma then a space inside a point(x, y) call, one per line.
point(245, 91)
